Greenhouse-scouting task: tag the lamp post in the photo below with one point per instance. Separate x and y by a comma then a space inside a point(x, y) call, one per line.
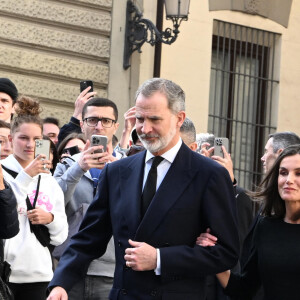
point(140, 30)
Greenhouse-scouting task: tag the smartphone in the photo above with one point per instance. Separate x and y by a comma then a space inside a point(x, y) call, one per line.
point(97, 140)
point(218, 143)
point(85, 83)
point(71, 150)
point(42, 147)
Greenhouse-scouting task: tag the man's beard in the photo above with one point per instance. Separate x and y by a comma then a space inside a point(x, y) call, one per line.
point(160, 143)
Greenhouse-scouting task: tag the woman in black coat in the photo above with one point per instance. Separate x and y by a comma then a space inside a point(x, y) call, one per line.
point(9, 223)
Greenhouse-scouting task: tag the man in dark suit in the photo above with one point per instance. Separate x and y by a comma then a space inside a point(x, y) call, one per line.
point(156, 255)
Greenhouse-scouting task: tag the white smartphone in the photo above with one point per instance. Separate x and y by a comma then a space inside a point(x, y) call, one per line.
point(97, 140)
point(218, 143)
point(42, 147)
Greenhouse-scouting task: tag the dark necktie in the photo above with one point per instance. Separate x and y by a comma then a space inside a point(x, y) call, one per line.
point(150, 185)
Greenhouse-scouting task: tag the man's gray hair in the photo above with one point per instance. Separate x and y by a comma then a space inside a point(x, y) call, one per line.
point(188, 131)
point(173, 92)
point(281, 140)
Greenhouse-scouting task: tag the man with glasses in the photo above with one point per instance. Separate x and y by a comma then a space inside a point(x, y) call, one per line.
point(78, 177)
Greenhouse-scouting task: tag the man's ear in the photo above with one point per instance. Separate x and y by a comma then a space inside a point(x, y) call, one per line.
point(181, 117)
point(81, 126)
point(13, 108)
point(279, 151)
point(193, 146)
point(10, 139)
point(116, 127)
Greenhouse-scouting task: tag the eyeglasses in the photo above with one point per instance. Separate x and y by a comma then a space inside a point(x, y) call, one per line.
point(93, 121)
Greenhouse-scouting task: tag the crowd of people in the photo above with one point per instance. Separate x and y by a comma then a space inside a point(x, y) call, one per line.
point(155, 215)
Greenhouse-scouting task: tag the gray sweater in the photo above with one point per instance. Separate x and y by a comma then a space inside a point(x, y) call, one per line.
point(77, 186)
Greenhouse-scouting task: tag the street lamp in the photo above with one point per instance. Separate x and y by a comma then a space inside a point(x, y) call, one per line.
point(139, 30)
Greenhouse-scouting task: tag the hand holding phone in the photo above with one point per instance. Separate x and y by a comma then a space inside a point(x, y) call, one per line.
point(42, 147)
point(85, 83)
point(97, 140)
point(218, 143)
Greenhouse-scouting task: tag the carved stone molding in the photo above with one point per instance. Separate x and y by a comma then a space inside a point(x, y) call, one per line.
point(50, 12)
point(57, 39)
point(53, 66)
point(276, 10)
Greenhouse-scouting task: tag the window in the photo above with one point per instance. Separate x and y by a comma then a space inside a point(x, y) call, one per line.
point(244, 94)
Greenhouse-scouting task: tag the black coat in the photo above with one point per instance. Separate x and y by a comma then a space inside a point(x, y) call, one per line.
point(196, 193)
point(9, 223)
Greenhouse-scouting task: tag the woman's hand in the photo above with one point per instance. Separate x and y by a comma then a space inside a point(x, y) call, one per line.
point(206, 239)
point(38, 165)
point(39, 216)
point(205, 151)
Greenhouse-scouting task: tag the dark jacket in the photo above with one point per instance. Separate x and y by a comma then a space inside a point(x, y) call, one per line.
point(196, 193)
point(9, 223)
point(72, 126)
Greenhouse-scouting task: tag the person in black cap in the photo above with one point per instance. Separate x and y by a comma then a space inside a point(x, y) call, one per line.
point(8, 98)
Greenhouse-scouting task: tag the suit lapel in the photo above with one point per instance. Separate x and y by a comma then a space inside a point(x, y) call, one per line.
point(176, 180)
point(131, 176)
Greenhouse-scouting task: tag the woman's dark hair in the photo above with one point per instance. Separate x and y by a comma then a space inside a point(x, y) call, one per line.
point(53, 150)
point(71, 136)
point(27, 111)
point(268, 190)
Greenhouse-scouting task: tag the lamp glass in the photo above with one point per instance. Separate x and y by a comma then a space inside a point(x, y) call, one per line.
point(173, 7)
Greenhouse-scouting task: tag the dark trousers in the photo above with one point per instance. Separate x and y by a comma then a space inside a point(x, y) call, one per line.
point(29, 291)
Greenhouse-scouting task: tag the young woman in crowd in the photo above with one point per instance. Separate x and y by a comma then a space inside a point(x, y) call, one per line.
point(72, 140)
point(32, 182)
point(274, 260)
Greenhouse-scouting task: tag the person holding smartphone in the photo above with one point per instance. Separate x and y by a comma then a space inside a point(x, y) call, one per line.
point(31, 181)
point(78, 177)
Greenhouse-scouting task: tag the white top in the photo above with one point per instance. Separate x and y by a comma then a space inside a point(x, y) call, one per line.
point(164, 166)
point(29, 260)
point(162, 170)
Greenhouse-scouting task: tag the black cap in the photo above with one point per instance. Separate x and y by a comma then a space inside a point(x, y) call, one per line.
point(9, 88)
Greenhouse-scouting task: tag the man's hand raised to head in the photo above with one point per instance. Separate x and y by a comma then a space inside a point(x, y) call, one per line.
point(141, 257)
point(58, 293)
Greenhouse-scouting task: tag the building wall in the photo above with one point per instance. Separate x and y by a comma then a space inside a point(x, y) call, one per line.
point(188, 61)
point(47, 47)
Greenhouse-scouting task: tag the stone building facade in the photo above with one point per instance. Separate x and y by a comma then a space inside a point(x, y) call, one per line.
point(47, 47)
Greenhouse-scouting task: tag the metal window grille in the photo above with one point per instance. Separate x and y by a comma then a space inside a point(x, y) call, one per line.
point(244, 94)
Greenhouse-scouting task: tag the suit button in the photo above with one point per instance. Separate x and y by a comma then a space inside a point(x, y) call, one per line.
point(153, 293)
point(119, 243)
point(123, 291)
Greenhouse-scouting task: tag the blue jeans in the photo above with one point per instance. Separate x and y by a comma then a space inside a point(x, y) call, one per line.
point(93, 288)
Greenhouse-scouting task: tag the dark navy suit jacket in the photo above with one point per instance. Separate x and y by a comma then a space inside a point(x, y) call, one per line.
point(195, 194)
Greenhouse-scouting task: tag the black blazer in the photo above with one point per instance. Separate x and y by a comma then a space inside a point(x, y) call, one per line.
point(9, 223)
point(196, 193)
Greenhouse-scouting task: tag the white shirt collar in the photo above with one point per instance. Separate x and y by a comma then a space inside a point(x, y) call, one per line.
point(169, 155)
